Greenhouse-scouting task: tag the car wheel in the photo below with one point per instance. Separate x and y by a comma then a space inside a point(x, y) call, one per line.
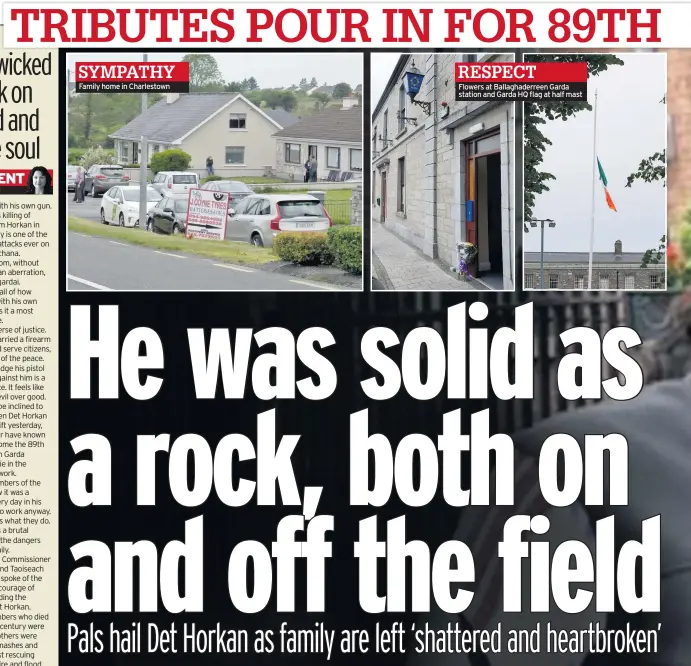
point(257, 241)
point(122, 220)
point(103, 217)
point(176, 230)
point(93, 191)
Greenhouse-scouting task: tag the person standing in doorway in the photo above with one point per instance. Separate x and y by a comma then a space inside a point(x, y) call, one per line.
point(210, 166)
point(313, 169)
point(307, 171)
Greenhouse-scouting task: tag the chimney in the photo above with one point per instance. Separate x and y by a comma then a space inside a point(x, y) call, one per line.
point(172, 97)
point(617, 249)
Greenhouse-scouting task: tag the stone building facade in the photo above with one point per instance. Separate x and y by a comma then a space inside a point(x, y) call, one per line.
point(427, 167)
point(616, 270)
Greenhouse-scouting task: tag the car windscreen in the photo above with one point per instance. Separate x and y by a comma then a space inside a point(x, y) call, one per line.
point(112, 171)
point(305, 208)
point(185, 180)
point(181, 205)
point(239, 188)
point(133, 195)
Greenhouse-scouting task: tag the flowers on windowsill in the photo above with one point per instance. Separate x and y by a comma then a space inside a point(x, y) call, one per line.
point(467, 254)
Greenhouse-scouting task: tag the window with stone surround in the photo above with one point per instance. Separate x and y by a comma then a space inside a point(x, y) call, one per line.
point(401, 108)
point(530, 280)
point(385, 128)
point(629, 282)
point(400, 198)
point(553, 281)
point(604, 281)
point(291, 154)
point(579, 282)
point(655, 281)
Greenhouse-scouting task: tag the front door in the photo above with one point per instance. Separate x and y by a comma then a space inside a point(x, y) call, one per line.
point(483, 202)
point(382, 218)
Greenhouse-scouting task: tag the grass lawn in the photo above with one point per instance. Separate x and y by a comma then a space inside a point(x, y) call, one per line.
point(251, 180)
point(337, 201)
point(235, 253)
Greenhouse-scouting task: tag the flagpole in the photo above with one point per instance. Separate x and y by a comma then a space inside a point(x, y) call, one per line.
point(592, 215)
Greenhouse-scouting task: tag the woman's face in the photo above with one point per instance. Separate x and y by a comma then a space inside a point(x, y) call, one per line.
point(39, 180)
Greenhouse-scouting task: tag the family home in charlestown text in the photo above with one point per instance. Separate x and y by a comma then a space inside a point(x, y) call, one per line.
point(443, 170)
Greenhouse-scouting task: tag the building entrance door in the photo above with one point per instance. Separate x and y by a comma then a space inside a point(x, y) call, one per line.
point(483, 202)
point(382, 217)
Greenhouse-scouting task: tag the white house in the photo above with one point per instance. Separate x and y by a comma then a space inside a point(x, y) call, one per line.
point(333, 136)
point(236, 133)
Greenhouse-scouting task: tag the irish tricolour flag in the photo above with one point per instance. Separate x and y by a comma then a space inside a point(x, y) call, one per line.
point(603, 178)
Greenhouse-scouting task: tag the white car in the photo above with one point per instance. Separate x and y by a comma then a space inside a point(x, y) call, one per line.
point(174, 183)
point(120, 205)
point(259, 218)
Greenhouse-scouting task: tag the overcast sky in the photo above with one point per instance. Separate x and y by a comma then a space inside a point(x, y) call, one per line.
point(631, 125)
point(270, 69)
point(382, 65)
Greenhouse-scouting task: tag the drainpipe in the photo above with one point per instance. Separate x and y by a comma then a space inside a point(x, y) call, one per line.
point(435, 236)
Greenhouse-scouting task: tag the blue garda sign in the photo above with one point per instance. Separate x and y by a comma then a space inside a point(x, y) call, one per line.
point(413, 82)
point(469, 210)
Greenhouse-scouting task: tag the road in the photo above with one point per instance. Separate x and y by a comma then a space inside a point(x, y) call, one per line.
point(95, 263)
point(102, 264)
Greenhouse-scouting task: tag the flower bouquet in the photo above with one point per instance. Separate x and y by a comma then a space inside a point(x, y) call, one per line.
point(467, 254)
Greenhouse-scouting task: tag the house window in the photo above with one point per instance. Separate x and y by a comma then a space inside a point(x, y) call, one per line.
point(292, 153)
point(355, 159)
point(654, 281)
point(579, 282)
point(333, 158)
point(553, 281)
point(235, 154)
point(629, 282)
point(530, 281)
point(385, 128)
point(604, 282)
point(401, 185)
point(374, 141)
point(401, 109)
point(237, 121)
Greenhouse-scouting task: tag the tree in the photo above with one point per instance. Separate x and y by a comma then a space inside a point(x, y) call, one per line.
point(174, 159)
point(313, 83)
point(304, 86)
point(536, 114)
point(252, 84)
point(655, 256)
point(320, 100)
point(97, 155)
point(342, 90)
point(280, 99)
point(651, 169)
point(205, 76)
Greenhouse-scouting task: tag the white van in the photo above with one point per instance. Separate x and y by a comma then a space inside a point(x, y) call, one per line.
point(175, 182)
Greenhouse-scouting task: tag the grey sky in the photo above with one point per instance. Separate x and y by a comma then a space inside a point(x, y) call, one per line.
point(272, 70)
point(631, 125)
point(382, 64)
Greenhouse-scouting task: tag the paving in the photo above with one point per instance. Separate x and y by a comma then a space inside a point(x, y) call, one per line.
point(401, 267)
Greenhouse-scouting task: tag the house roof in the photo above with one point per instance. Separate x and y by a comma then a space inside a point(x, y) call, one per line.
point(342, 125)
point(170, 122)
point(582, 257)
point(283, 118)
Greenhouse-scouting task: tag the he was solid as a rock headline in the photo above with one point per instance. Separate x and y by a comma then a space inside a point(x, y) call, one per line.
point(522, 82)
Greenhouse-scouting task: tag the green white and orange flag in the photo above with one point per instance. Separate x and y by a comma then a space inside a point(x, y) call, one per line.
point(603, 178)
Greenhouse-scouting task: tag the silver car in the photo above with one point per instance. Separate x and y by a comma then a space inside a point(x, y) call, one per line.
point(71, 173)
point(259, 218)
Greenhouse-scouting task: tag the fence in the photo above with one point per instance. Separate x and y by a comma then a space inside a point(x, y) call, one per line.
point(339, 211)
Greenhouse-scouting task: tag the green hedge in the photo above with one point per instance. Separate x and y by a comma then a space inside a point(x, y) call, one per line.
point(303, 247)
point(207, 179)
point(345, 244)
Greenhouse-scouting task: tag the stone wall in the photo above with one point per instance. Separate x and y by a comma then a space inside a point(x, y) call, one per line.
point(356, 206)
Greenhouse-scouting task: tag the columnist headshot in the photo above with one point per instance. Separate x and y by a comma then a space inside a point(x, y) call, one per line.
point(39, 181)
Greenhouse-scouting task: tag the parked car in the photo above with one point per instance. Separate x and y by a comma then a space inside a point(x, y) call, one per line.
point(71, 172)
point(237, 190)
point(175, 182)
point(120, 205)
point(261, 217)
point(168, 216)
point(101, 177)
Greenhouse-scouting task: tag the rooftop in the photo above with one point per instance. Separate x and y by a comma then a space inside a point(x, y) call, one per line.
point(336, 124)
point(167, 121)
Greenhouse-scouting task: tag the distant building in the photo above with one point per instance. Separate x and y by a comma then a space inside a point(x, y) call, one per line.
point(617, 270)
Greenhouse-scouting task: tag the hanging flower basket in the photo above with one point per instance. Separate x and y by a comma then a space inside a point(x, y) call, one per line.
point(467, 254)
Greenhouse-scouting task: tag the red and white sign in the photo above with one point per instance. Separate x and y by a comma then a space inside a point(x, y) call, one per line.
point(207, 214)
point(91, 72)
point(522, 72)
